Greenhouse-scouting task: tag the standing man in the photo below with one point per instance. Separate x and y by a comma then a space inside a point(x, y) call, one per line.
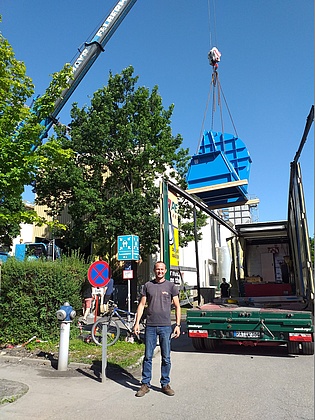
point(225, 288)
point(158, 295)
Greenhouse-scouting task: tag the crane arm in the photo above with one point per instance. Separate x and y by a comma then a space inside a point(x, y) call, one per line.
point(85, 59)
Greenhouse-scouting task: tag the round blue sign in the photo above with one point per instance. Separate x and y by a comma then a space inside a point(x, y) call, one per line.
point(99, 274)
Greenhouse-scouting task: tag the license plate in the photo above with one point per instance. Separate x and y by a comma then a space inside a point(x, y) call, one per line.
point(246, 334)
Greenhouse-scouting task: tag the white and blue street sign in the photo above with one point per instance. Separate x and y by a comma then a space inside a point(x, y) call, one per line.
point(128, 247)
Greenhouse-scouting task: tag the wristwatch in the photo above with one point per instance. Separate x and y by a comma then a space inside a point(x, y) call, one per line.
point(177, 325)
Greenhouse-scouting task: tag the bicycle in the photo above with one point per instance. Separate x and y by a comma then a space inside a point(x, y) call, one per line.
point(113, 327)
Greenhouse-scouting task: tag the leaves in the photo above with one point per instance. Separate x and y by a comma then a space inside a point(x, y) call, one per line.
point(40, 288)
point(121, 145)
point(21, 130)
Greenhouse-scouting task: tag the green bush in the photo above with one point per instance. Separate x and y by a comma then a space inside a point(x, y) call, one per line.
point(32, 292)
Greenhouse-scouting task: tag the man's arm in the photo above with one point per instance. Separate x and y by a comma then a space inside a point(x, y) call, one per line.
point(139, 313)
point(177, 316)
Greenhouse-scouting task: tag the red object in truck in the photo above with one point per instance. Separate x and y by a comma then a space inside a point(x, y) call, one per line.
point(267, 289)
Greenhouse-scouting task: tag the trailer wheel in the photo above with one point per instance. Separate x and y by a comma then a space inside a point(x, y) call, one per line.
point(210, 344)
point(198, 343)
point(308, 348)
point(293, 347)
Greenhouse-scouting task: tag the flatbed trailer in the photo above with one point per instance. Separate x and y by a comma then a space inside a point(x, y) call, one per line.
point(215, 323)
point(272, 284)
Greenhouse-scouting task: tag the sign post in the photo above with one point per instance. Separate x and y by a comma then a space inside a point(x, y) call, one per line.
point(98, 276)
point(128, 275)
point(128, 251)
point(104, 351)
point(128, 248)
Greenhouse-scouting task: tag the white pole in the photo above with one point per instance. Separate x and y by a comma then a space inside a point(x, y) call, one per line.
point(129, 302)
point(64, 346)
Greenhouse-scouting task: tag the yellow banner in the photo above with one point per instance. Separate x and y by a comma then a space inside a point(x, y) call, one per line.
point(173, 229)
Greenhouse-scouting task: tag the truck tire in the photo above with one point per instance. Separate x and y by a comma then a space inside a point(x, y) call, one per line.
point(293, 347)
point(308, 348)
point(210, 344)
point(198, 343)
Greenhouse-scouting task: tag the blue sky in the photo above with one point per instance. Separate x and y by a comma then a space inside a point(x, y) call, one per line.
point(266, 71)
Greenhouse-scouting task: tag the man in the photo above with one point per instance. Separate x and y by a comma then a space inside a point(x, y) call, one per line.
point(158, 295)
point(225, 288)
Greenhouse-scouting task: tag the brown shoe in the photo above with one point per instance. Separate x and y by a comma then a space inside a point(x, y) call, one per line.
point(144, 389)
point(167, 390)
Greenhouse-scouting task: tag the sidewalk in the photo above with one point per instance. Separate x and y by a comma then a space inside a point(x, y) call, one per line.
point(41, 392)
point(35, 389)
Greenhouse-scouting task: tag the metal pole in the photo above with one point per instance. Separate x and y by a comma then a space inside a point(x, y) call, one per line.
point(197, 254)
point(104, 351)
point(165, 245)
point(129, 303)
point(64, 346)
point(96, 308)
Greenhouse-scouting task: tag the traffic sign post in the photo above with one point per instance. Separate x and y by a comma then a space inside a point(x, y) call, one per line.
point(128, 248)
point(128, 275)
point(98, 276)
point(128, 251)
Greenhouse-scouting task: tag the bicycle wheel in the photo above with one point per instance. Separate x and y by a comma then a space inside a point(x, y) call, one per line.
point(113, 332)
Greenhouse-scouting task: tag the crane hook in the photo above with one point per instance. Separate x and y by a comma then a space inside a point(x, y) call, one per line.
point(214, 57)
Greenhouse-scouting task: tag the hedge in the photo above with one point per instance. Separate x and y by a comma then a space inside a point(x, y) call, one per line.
point(32, 291)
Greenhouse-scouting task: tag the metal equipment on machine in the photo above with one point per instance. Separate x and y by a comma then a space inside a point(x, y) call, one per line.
point(219, 172)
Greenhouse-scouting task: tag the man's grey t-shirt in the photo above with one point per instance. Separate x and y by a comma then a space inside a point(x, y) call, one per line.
point(159, 299)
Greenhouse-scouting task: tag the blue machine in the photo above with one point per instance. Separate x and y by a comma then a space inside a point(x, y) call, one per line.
point(37, 250)
point(219, 173)
point(3, 256)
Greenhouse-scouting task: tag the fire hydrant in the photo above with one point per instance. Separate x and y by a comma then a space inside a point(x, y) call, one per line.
point(65, 316)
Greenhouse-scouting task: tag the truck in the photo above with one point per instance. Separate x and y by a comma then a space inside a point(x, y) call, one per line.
point(37, 250)
point(33, 251)
point(271, 300)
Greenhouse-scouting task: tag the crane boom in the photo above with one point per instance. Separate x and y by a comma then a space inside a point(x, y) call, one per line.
point(85, 58)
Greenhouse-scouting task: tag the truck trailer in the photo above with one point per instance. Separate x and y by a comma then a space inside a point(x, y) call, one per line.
point(271, 299)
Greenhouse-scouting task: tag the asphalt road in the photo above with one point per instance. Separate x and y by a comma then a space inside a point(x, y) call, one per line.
point(233, 383)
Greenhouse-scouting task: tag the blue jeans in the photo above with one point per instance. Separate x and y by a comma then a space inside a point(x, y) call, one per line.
point(151, 334)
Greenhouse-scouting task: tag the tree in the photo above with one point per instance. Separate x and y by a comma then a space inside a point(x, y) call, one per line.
point(122, 144)
point(22, 153)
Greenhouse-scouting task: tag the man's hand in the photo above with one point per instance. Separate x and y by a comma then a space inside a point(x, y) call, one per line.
point(136, 328)
point(176, 332)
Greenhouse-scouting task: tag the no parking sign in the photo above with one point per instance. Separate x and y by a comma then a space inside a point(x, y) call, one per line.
point(99, 274)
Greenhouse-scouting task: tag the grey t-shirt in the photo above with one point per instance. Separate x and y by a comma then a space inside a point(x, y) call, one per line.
point(159, 299)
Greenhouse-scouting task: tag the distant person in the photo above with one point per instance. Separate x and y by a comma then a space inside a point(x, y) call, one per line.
point(87, 300)
point(109, 289)
point(225, 288)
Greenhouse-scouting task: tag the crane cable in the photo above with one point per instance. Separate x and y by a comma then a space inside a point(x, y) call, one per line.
point(214, 58)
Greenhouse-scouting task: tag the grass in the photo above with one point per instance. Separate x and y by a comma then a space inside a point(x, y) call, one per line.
point(122, 354)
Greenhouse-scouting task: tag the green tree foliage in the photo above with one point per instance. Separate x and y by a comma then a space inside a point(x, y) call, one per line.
point(122, 144)
point(32, 292)
point(22, 154)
